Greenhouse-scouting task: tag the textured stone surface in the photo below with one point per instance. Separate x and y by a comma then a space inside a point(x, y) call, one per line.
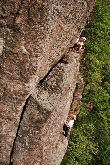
point(77, 96)
point(36, 85)
point(45, 114)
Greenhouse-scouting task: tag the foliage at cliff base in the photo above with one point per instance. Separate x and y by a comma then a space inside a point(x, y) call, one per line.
point(89, 143)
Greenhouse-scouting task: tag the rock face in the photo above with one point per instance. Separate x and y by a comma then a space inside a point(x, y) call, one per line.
point(38, 77)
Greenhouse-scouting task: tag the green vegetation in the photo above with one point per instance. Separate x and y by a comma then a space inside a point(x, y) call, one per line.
point(89, 143)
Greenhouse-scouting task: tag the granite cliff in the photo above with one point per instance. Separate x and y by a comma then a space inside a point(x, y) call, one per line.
point(40, 83)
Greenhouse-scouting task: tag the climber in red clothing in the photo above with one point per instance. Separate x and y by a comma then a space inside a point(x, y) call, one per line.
point(78, 46)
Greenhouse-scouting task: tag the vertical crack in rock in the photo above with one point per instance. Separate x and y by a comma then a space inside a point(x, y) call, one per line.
point(59, 61)
point(28, 140)
point(12, 151)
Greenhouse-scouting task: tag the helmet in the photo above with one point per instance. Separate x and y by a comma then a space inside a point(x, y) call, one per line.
point(74, 117)
point(84, 38)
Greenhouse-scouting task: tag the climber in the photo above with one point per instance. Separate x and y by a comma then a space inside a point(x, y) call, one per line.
point(68, 125)
point(78, 46)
